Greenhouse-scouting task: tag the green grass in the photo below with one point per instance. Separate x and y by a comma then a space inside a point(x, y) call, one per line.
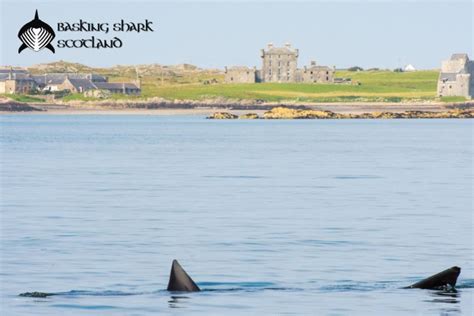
point(453, 99)
point(77, 97)
point(81, 97)
point(22, 98)
point(383, 86)
point(368, 86)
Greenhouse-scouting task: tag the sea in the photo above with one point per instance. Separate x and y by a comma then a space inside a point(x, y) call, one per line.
point(269, 217)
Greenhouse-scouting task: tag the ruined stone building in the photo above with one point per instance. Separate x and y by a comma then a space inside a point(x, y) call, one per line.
point(14, 81)
point(456, 77)
point(280, 64)
point(316, 74)
point(240, 74)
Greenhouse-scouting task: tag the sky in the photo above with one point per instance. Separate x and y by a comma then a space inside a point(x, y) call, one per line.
point(211, 34)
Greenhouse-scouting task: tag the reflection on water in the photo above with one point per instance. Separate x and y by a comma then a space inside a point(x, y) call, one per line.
point(177, 301)
point(452, 296)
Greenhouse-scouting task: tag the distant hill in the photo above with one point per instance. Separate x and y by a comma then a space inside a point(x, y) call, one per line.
point(180, 73)
point(60, 66)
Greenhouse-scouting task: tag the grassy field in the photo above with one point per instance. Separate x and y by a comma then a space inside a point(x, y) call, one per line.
point(187, 82)
point(383, 86)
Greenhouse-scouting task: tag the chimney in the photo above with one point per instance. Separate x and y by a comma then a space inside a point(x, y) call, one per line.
point(313, 63)
point(288, 45)
point(270, 45)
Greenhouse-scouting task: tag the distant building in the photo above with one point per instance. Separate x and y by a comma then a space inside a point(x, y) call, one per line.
point(409, 68)
point(21, 81)
point(54, 81)
point(280, 64)
point(13, 81)
point(76, 85)
point(456, 77)
point(119, 87)
point(316, 74)
point(240, 74)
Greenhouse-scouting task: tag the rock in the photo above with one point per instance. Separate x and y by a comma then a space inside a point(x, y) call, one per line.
point(12, 106)
point(286, 113)
point(290, 113)
point(249, 116)
point(222, 116)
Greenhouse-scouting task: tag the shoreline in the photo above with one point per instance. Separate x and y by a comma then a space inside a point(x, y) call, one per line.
point(8, 107)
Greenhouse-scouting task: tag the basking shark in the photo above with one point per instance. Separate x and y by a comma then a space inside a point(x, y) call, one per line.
point(180, 280)
point(439, 280)
point(36, 35)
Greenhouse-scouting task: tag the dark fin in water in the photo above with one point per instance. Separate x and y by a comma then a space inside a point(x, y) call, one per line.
point(439, 280)
point(36, 294)
point(180, 280)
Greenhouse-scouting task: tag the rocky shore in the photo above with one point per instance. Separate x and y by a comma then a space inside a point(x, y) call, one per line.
point(288, 113)
point(247, 109)
point(12, 106)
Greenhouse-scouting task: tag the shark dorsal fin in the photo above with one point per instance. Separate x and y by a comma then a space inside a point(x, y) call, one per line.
point(439, 280)
point(180, 280)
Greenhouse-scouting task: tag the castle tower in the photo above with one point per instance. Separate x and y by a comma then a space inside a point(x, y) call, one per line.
point(279, 64)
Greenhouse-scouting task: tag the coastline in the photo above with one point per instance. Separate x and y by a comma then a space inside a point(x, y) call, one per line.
point(160, 107)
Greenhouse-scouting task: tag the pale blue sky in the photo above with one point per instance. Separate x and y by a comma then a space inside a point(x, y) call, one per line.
point(373, 33)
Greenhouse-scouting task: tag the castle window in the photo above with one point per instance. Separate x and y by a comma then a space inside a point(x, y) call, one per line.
point(327, 72)
point(327, 78)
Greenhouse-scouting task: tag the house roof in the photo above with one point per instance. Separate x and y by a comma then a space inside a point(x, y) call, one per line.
point(58, 78)
point(82, 84)
point(287, 49)
point(241, 68)
point(4, 76)
point(115, 85)
point(459, 56)
point(318, 68)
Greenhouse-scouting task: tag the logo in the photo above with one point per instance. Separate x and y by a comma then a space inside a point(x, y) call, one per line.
point(36, 35)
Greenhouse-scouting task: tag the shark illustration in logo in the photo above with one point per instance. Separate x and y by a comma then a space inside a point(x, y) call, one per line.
point(36, 35)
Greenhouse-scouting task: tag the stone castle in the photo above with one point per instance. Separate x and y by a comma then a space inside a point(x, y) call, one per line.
point(456, 77)
point(280, 64)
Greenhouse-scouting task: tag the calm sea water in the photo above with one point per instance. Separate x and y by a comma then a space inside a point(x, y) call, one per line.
point(268, 217)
